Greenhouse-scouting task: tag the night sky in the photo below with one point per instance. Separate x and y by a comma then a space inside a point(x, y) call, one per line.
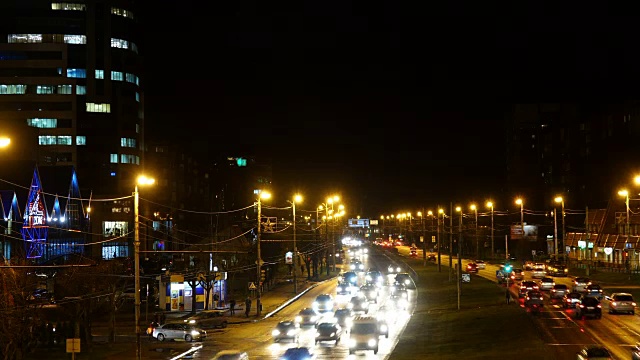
point(394, 107)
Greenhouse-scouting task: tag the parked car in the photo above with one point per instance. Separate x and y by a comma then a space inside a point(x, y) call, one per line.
point(621, 302)
point(588, 307)
point(174, 331)
point(208, 319)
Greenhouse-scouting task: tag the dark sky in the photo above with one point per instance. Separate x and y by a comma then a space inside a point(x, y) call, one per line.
point(396, 107)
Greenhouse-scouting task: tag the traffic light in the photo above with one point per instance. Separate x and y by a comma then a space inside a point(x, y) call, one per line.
point(262, 275)
point(508, 268)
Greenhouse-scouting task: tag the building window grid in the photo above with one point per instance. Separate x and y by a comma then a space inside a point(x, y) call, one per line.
point(45, 89)
point(128, 142)
point(46, 123)
point(117, 76)
point(74, 39)
point(13, 89)
point(68, 6)
point(81, 140)
point(122, 12)
point(77, 73)
point(124, 44)
point(65, 89)
point(99, 74)
point(98, 108)
point(113, 158)
point(81, 90)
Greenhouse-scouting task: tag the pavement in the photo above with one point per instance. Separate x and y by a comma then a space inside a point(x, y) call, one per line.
point(276, 298)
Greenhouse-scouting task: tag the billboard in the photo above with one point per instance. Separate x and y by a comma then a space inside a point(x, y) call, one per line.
point(359, 223)
point(530, 232)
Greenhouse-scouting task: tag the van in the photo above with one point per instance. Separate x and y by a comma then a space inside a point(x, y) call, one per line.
point(364, 334)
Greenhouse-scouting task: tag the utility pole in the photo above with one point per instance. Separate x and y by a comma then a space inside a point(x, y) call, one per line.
point(424, 239)
point(440, 211)
point(258, 258)
point(459, 272)
point(450, 239)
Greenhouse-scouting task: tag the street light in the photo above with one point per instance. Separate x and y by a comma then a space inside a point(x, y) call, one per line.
point(4, 141)
point(490, 205)
point(521, 203)
point(142, 180)
point(559, 200)
point(625, 193)
point(459, 267)
point(263, 195)
point(330, 202)
point(475, 210)
point(296, 198)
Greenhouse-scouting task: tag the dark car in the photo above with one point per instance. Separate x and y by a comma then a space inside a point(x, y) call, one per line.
point(588, 307)
point(328, 331)
point(404, 279)
point(374, 277)
point(594, 352)
point(343, 317)
point(307, 316)
point(370, 291)
point(526, 286)
point(594, 290)
point(286, 330)
point(359, 304)
point(571, 300)
point(323, 303)
point(343, 288)
point(351, 277)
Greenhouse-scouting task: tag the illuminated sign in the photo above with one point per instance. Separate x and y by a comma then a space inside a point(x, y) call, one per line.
point(359, 223)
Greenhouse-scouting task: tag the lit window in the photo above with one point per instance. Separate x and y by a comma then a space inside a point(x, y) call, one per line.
point(81, 90)
point(64, 140)
point(129, 159)
point(123, 44)
point(81, 140)
point(77, 73)
point(99, 74)
point(68, 6)
point(99, 108)
point(128, 142)
point(65, 89)
point(47, 140)
point(117, 75)
point(138, 97)
point(12, 89)
point(43, 123)
point(24, 38)
point(75, 39)
point(113, 158)
point(45, 89)
point(122, 12)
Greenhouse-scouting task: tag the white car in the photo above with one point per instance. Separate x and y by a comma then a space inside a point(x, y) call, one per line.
point(481, 265)
point(174, 331)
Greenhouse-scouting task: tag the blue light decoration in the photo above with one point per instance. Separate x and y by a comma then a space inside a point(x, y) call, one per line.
point(35, 229)
point(74, 216)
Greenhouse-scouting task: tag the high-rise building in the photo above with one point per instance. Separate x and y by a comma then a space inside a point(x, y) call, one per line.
point(71, 90)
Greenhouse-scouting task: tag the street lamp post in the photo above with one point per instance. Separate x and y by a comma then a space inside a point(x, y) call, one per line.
point(625, 193)
point(475, 210)
point(490, 205)
point(263, 195)
point(560, 200)
point(142, 180)
point(296, 198)
point(459, 267)
point(440, 211)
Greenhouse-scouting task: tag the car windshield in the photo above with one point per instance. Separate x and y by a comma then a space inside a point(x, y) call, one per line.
point(590, 301)
point(325, 326)
point(560, 287)
point(547, 280)
point(574, 295)
point(323, 298)
point(598, 352)
point(623, 298)
point(307, 312)
point(285, 324)
point(367, 328)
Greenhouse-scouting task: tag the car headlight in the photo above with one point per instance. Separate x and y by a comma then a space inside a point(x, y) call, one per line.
point(366, 251)
point(398, 269)
point(195, 332)
point(383, 328)
point(330, 304)
point(340, 289)
point(352, 343)
point(192, 321)
point(332, 334)
point(361, 267)
point(298, 319)
point(368, 278)
point(349, 322)
point(352, 267)
point(406, 281)
point(371, 342)
point(275, 332)
point(313, 318)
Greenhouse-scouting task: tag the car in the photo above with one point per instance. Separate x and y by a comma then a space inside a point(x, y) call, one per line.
point(208, 319)
point(580, 283)
point(558, 291)
point(323, 303)
point(392, 269)
point(175, 331)
point(387, 313)
point(286, 330)
point(396, 286)
point(621, 302)
point(594, 290)
point(431, 257)
point(481, 264)
point(517, 275)
point(307, 317)
point(558, 270)
point(594, 352)
point(526, 286)
point(588, 306)
point(343, 288)
point(231, 355)
point(538, 271)
point(297, 353)
point(356, 265)
point(533, 297)
point(546, 283)
point(350, 277)
point(404, 278)
point(364, 334)
point(571, 299)
point(472, 268)
point(344, 317)
point(398, 301)
point(328, 331)
point(528, 265)
point(374, 277)
point(358, 304)
point(370, 291)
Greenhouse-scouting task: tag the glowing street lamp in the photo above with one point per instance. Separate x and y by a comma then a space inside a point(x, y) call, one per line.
point(490, 205)
point(560, 200)
point(264, 195)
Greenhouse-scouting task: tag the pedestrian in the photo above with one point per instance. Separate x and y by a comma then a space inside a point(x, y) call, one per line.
point(508, 296)
point(247, 306)
point(232, 306)
point(216, 298)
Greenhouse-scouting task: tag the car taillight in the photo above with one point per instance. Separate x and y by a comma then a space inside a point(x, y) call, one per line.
point(568, 300)
point(582, 306)
point(599, 306)
point(616, 304)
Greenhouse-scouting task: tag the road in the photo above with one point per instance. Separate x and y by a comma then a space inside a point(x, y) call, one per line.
point(256, 339)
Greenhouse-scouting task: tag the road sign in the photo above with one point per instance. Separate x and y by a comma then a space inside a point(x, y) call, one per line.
point(73, 345)
point(252, 286)
point(466, 278)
